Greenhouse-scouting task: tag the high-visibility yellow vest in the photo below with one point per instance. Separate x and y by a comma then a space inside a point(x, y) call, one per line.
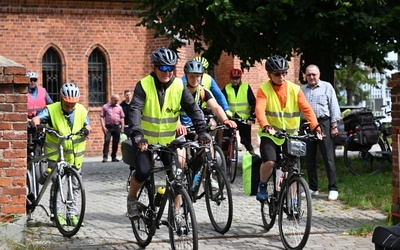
point(159, 124)
point(239, 103)
point(74, 149)
point(287, 118)
point(206, 83)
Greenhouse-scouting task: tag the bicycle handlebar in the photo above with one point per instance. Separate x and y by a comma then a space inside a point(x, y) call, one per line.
point(56, 133)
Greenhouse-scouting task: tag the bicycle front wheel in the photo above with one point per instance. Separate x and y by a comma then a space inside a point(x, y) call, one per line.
point(365, 160)
point(219, 199)
point(219, 157)
point(295, 213)
point(143, 227)
point(232, 160)
point(69, 202)
point(269, 207)
point(182, 226)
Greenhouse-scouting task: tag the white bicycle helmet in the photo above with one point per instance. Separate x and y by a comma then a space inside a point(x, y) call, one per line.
point(32, 75)
point(70, 93)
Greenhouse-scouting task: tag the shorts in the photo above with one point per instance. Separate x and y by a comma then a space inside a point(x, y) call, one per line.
point(269, 151)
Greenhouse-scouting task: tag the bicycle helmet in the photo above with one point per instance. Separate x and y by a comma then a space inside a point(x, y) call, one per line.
point(202, 60)
point(32, 75)
point(164, 56)
point(193, 67)
point(276, 63)
point(70, 92)
point(236, 73)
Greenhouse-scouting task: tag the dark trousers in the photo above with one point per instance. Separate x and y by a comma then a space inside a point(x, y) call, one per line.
point(114, 132)
point(326, 148)
point(245, 136)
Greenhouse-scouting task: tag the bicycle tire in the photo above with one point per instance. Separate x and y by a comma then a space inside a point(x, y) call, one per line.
point(219, 201)
point(70, 181)
point(365, 161)
point(182, 226)
point(232, 160)
point(295, 213)
point(30, 195)
point(269, 207)
point(143, 228)
point(219, 157)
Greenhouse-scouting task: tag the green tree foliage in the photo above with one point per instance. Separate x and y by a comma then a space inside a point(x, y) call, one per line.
point(351, 78)
point(324, 32)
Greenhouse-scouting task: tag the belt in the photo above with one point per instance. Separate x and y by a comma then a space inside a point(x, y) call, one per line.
point(323, 117)
point(112, 125)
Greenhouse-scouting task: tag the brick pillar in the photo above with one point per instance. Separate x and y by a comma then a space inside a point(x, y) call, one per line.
point(395, 93)
point(13, 142)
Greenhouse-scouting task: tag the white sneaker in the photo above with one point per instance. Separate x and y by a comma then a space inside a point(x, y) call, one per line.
point(312, 192)
point(333, 195)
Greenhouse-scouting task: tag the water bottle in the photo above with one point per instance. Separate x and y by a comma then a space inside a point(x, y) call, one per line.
point(159, 195)
point(279, 179)
point(196, 181)
point(43, 178)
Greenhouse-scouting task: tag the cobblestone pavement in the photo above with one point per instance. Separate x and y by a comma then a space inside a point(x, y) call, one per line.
point(107, 227)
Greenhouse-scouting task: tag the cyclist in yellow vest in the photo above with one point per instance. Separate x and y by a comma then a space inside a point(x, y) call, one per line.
point(278, 106)
point(242, 103)
point(66, 116)
point(153, 117)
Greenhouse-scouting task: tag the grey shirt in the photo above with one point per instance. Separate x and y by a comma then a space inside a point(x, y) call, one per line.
point(323, 100)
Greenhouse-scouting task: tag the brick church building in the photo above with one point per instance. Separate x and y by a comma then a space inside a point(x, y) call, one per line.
point(95, 44)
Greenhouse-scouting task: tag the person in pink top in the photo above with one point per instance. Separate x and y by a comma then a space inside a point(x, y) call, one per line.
point(112, 123)
point(38, 97)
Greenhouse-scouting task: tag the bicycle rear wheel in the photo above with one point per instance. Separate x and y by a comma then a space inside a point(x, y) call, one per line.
point(268, 207)
point(365, 160)
point(143, 227)
point(232, 160)
point(295, 213)
point(69, 202)
point(219, 199)
point(182, 223)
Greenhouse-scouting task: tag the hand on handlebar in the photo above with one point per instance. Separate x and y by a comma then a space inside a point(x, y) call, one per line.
point(84, 132)
point(141, 142)
point(204, 138)
point(230, 123)
point(181, 130)
point(319, 134)
point(268, 129)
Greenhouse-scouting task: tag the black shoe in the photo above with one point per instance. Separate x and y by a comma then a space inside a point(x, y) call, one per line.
point(104, 159)
point(115, 160)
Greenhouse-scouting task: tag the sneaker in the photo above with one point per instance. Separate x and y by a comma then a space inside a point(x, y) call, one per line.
point(115, 160)
point(262, 192)
point(214, 184)
point(60, 219)
point(333, 195)
point(132, 206)
point(312, 192)
point(73, 220)
point(104, 159)
point(180, 220)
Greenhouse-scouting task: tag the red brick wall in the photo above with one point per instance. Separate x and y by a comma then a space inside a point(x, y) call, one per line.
point(13, 85)
point(395, 92)
point(76, 28)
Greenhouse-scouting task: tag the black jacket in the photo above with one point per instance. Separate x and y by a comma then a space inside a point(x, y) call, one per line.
point(187, 102)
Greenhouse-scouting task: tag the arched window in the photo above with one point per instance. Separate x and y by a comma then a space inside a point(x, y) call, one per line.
point(51, 73)
point(97, 79)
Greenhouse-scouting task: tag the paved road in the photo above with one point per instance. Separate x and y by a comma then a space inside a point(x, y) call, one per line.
point(107, 227)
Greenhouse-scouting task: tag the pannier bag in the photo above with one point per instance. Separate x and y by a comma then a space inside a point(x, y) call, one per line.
point(366, 135)
point(387, 237)
point(251, 173)
point(357, 117)
point(128, 155)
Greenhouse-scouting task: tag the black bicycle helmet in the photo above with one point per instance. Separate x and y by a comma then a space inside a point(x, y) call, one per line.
point(164, 56)
point(194, 67)
point(276, 63)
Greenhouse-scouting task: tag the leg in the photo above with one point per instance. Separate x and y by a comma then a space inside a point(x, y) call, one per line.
point(116, 135)
point(245, 136)
point(106, 145)
point(268, 151)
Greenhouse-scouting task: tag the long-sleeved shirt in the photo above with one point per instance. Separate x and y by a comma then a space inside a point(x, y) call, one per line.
point(323, 100)
point(281, 92)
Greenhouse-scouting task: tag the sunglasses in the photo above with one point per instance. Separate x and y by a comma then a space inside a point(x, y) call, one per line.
point(165, 68)
point(277, 74)
point(33, 79)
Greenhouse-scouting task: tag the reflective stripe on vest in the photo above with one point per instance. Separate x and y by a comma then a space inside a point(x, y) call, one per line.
point(287, 118)
point(159, 124)
point(239, 103)
point(38, 104)
point(74, 149)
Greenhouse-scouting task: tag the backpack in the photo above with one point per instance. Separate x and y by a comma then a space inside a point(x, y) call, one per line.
point(251, 173)
point(387, 237)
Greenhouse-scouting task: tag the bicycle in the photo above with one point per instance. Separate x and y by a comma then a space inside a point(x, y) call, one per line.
point(201, 169)
point(284, 193)
point(68, 186)
point(368, 159)
point(183, 228)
